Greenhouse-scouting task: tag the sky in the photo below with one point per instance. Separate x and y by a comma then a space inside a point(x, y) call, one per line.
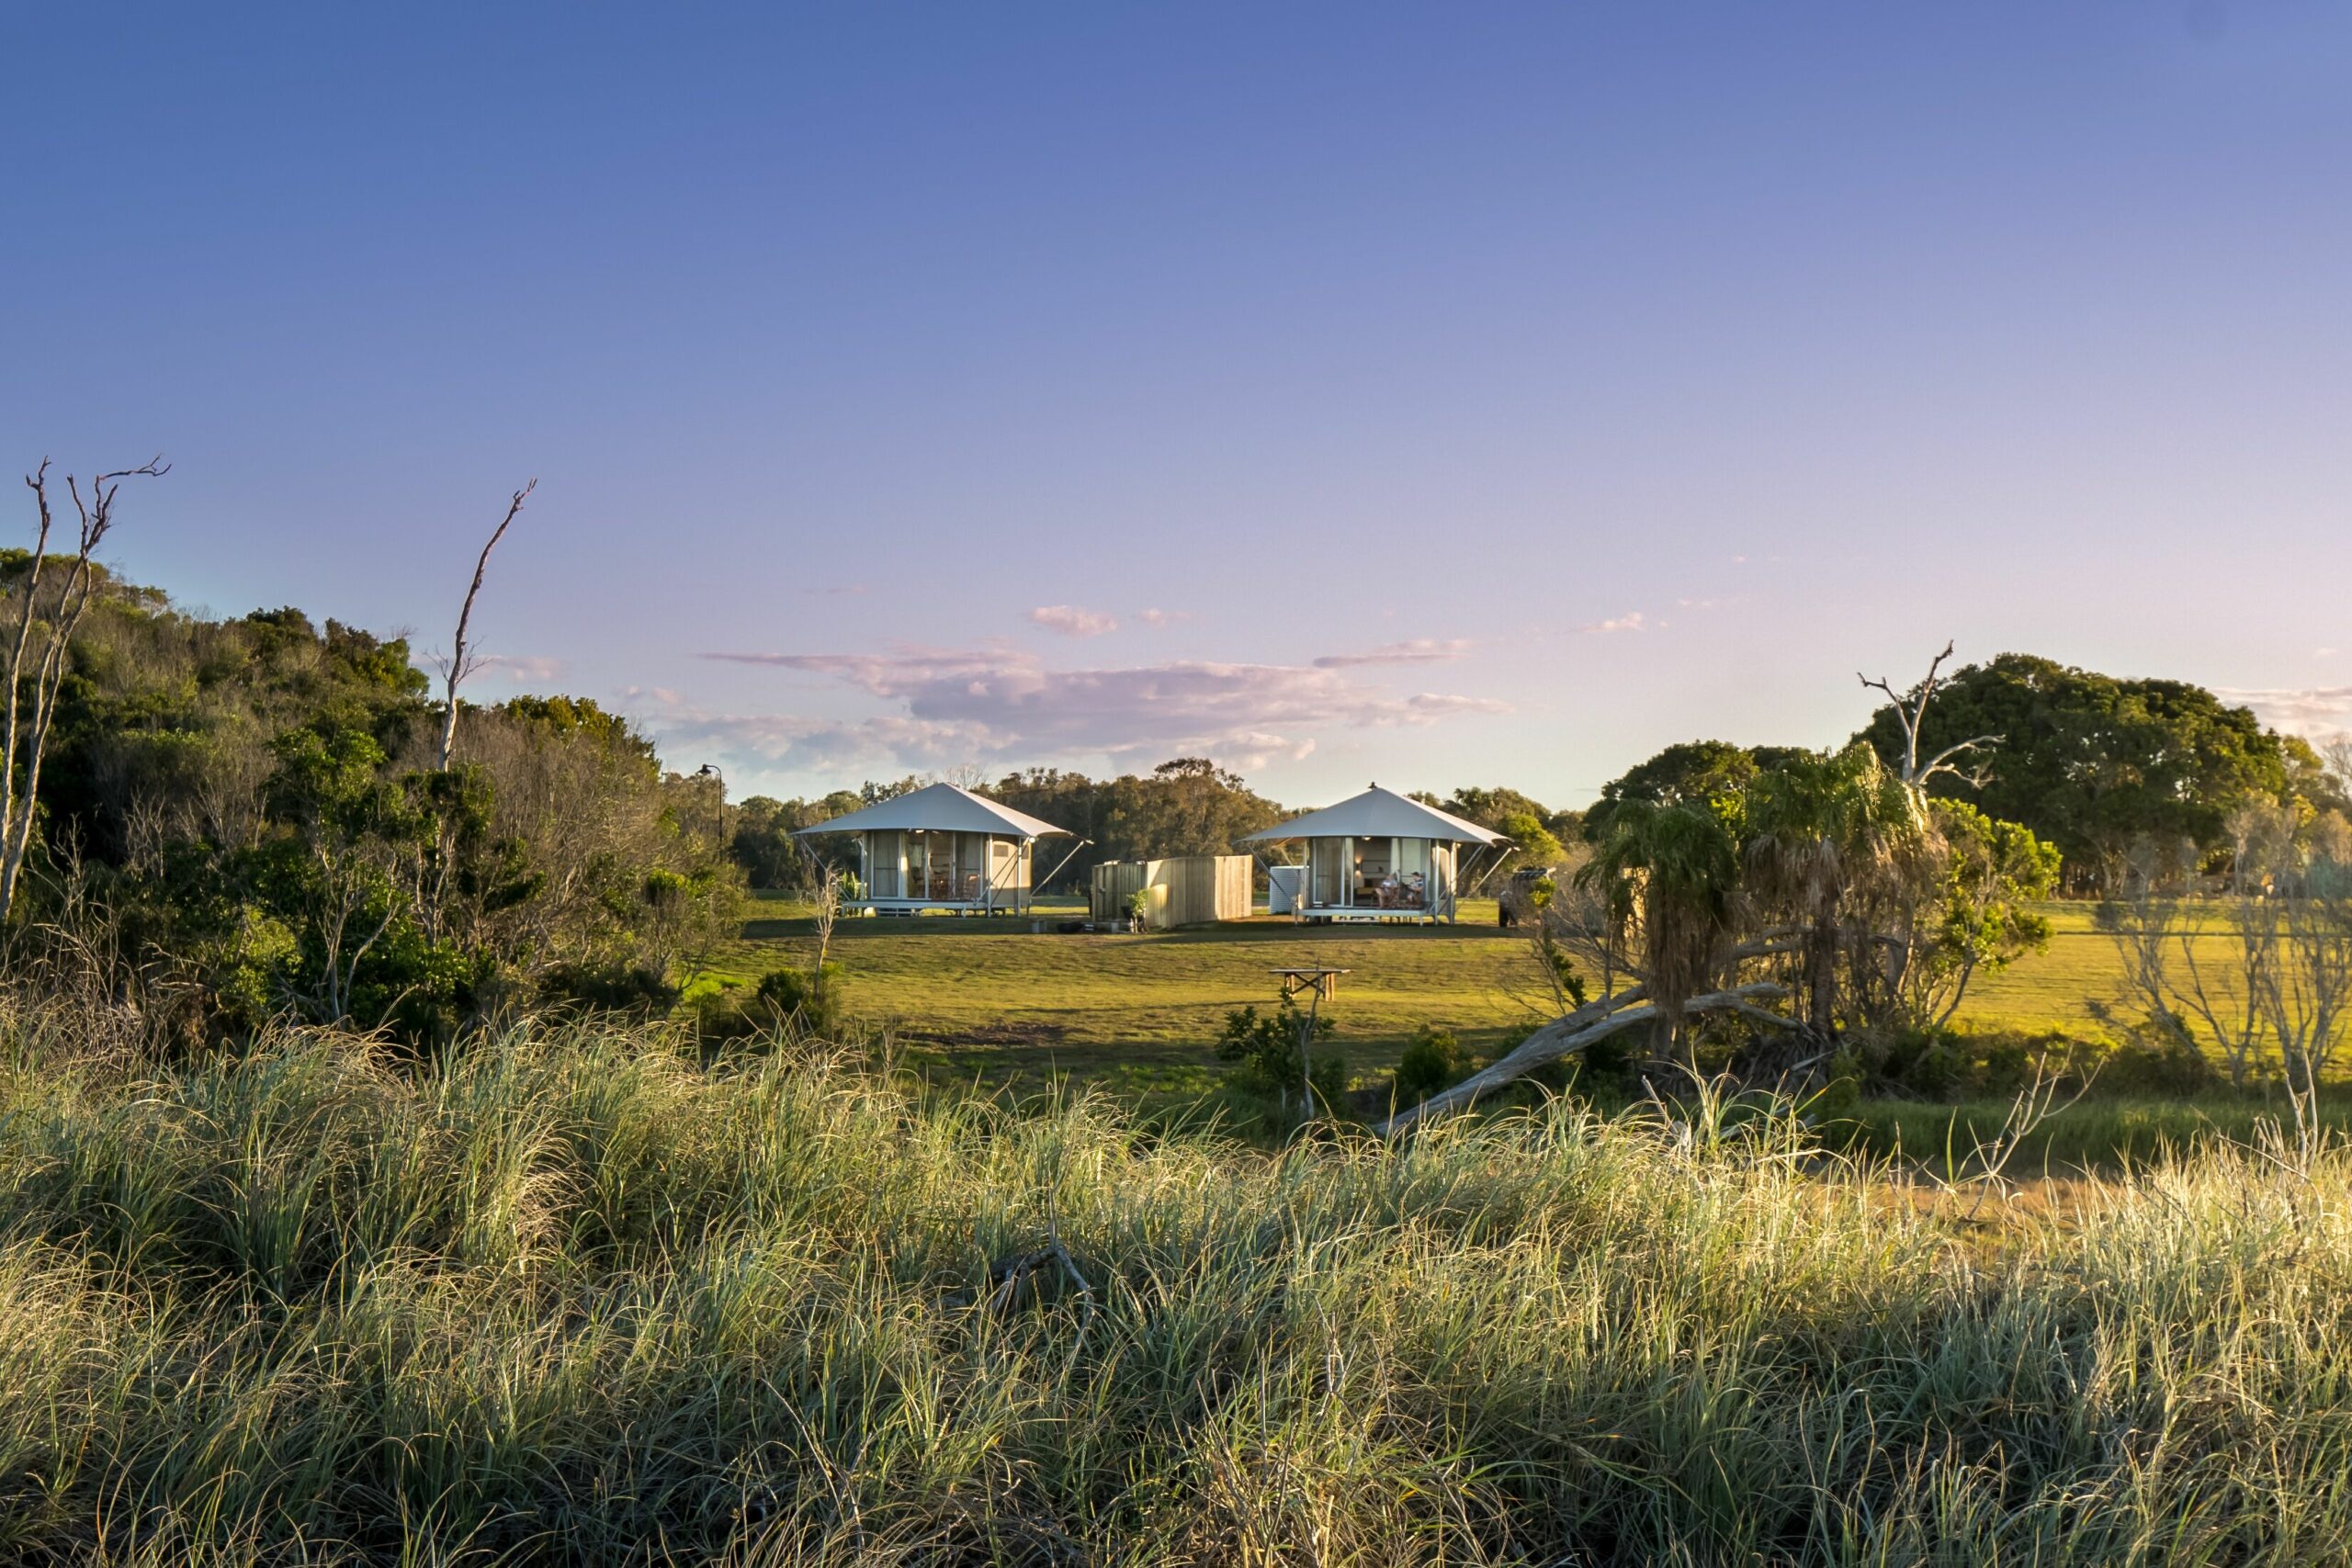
point(1437, 395)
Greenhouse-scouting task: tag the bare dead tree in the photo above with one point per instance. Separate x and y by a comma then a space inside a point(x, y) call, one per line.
point(460, 662)
point(41, 659)
point(1911, 712)
point(2201, 967)
point(829, 910)
point(1986, 1166)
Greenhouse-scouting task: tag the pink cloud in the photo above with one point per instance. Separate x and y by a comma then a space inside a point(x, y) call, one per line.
point(1420, 650)
point(1633, 621)
point(1071, 621)
point(1006, 705)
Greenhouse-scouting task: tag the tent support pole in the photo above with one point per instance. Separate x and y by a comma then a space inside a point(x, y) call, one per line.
point(1041, 881)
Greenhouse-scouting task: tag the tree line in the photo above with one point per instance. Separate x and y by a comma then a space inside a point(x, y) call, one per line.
point(1799, 917)
point(216, 821)
point(1187, 805)
point(2097, 766)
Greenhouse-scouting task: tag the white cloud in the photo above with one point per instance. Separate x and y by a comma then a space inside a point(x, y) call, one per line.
point(1071, 621)
point(1421, 651)
point(2318, 712)
point(1633, 621)
point(986, 705)
point(1156, 617)
point(520, 668)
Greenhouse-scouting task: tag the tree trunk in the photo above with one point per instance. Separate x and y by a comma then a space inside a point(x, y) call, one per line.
point(1580, 1031)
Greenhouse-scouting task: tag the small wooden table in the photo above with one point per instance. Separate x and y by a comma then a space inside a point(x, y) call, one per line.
point(1322, 982)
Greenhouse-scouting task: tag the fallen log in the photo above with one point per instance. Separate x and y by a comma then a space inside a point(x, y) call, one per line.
point(1580, 1031)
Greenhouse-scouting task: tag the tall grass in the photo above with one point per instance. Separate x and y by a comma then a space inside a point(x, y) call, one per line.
point(2097, 1132)
point(584, 1298)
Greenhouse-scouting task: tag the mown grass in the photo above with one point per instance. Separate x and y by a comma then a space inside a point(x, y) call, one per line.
point(994, 1000)
point(586, 1298)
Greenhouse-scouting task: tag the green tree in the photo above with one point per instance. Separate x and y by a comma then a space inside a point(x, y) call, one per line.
point(2093, 764)
point(1829, 834)
point(250, 808)
point(1991, 875)
point(1690, 773)
point(1666, 875)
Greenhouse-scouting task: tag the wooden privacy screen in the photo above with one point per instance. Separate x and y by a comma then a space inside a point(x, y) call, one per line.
point(1190, 890)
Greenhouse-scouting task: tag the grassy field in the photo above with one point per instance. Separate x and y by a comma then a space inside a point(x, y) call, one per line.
point(996, 1000)
point(586, 1298)
point(993, 999)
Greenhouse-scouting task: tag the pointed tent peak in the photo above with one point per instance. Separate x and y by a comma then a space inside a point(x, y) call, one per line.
point(1378, 813)
point(938, 808)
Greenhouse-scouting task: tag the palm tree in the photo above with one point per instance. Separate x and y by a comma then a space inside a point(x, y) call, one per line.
point(1667, 875)
point(1831, 836)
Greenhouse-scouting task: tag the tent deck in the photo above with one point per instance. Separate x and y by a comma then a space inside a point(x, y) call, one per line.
point(1335, 913)
point(1005, 905)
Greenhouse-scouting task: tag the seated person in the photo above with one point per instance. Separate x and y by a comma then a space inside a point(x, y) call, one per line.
point(1416, 892)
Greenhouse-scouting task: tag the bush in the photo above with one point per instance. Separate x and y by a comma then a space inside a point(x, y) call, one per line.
point(809, 1003)
point(608, 987)
point(1264, 1047)
point(1952, 1064)
point(2154, 1059)
point(1435, 1060)
point(785, 1004)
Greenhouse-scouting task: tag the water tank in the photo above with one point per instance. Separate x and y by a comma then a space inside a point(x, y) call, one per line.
point(1284, 887)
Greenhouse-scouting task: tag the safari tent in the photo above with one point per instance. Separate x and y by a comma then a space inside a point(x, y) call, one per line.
point(939, 848)
point(1378, 856)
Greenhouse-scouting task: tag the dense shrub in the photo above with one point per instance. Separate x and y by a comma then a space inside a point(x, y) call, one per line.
point(245, 820)
point(1432, 1060)
point(1949, 1064)
point(784, 1004)
point(2154, 1056)
point(1264, 1049)
point(609, 987)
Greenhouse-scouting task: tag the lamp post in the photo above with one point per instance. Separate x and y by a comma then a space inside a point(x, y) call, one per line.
point(719, 802)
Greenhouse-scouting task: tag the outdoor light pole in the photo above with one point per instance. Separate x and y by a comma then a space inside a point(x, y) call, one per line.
point(718, 808)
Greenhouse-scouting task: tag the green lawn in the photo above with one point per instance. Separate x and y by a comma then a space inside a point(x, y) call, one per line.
point(2054, 989)
point(999, 999)
point(996, 998)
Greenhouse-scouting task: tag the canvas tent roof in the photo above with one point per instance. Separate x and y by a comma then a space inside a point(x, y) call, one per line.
point(1378, 813)
point(939, 808)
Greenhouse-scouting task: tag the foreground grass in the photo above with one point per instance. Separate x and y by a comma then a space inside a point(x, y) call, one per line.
point(2098, 1132)
point(586, 1299)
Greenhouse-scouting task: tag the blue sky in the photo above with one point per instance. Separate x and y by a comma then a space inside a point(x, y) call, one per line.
point(1434, 394)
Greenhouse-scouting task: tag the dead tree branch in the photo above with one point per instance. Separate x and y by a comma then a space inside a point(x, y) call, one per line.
point(1911, 712)
point(24, 732)
point(1580, 1031)
point(460, 665)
